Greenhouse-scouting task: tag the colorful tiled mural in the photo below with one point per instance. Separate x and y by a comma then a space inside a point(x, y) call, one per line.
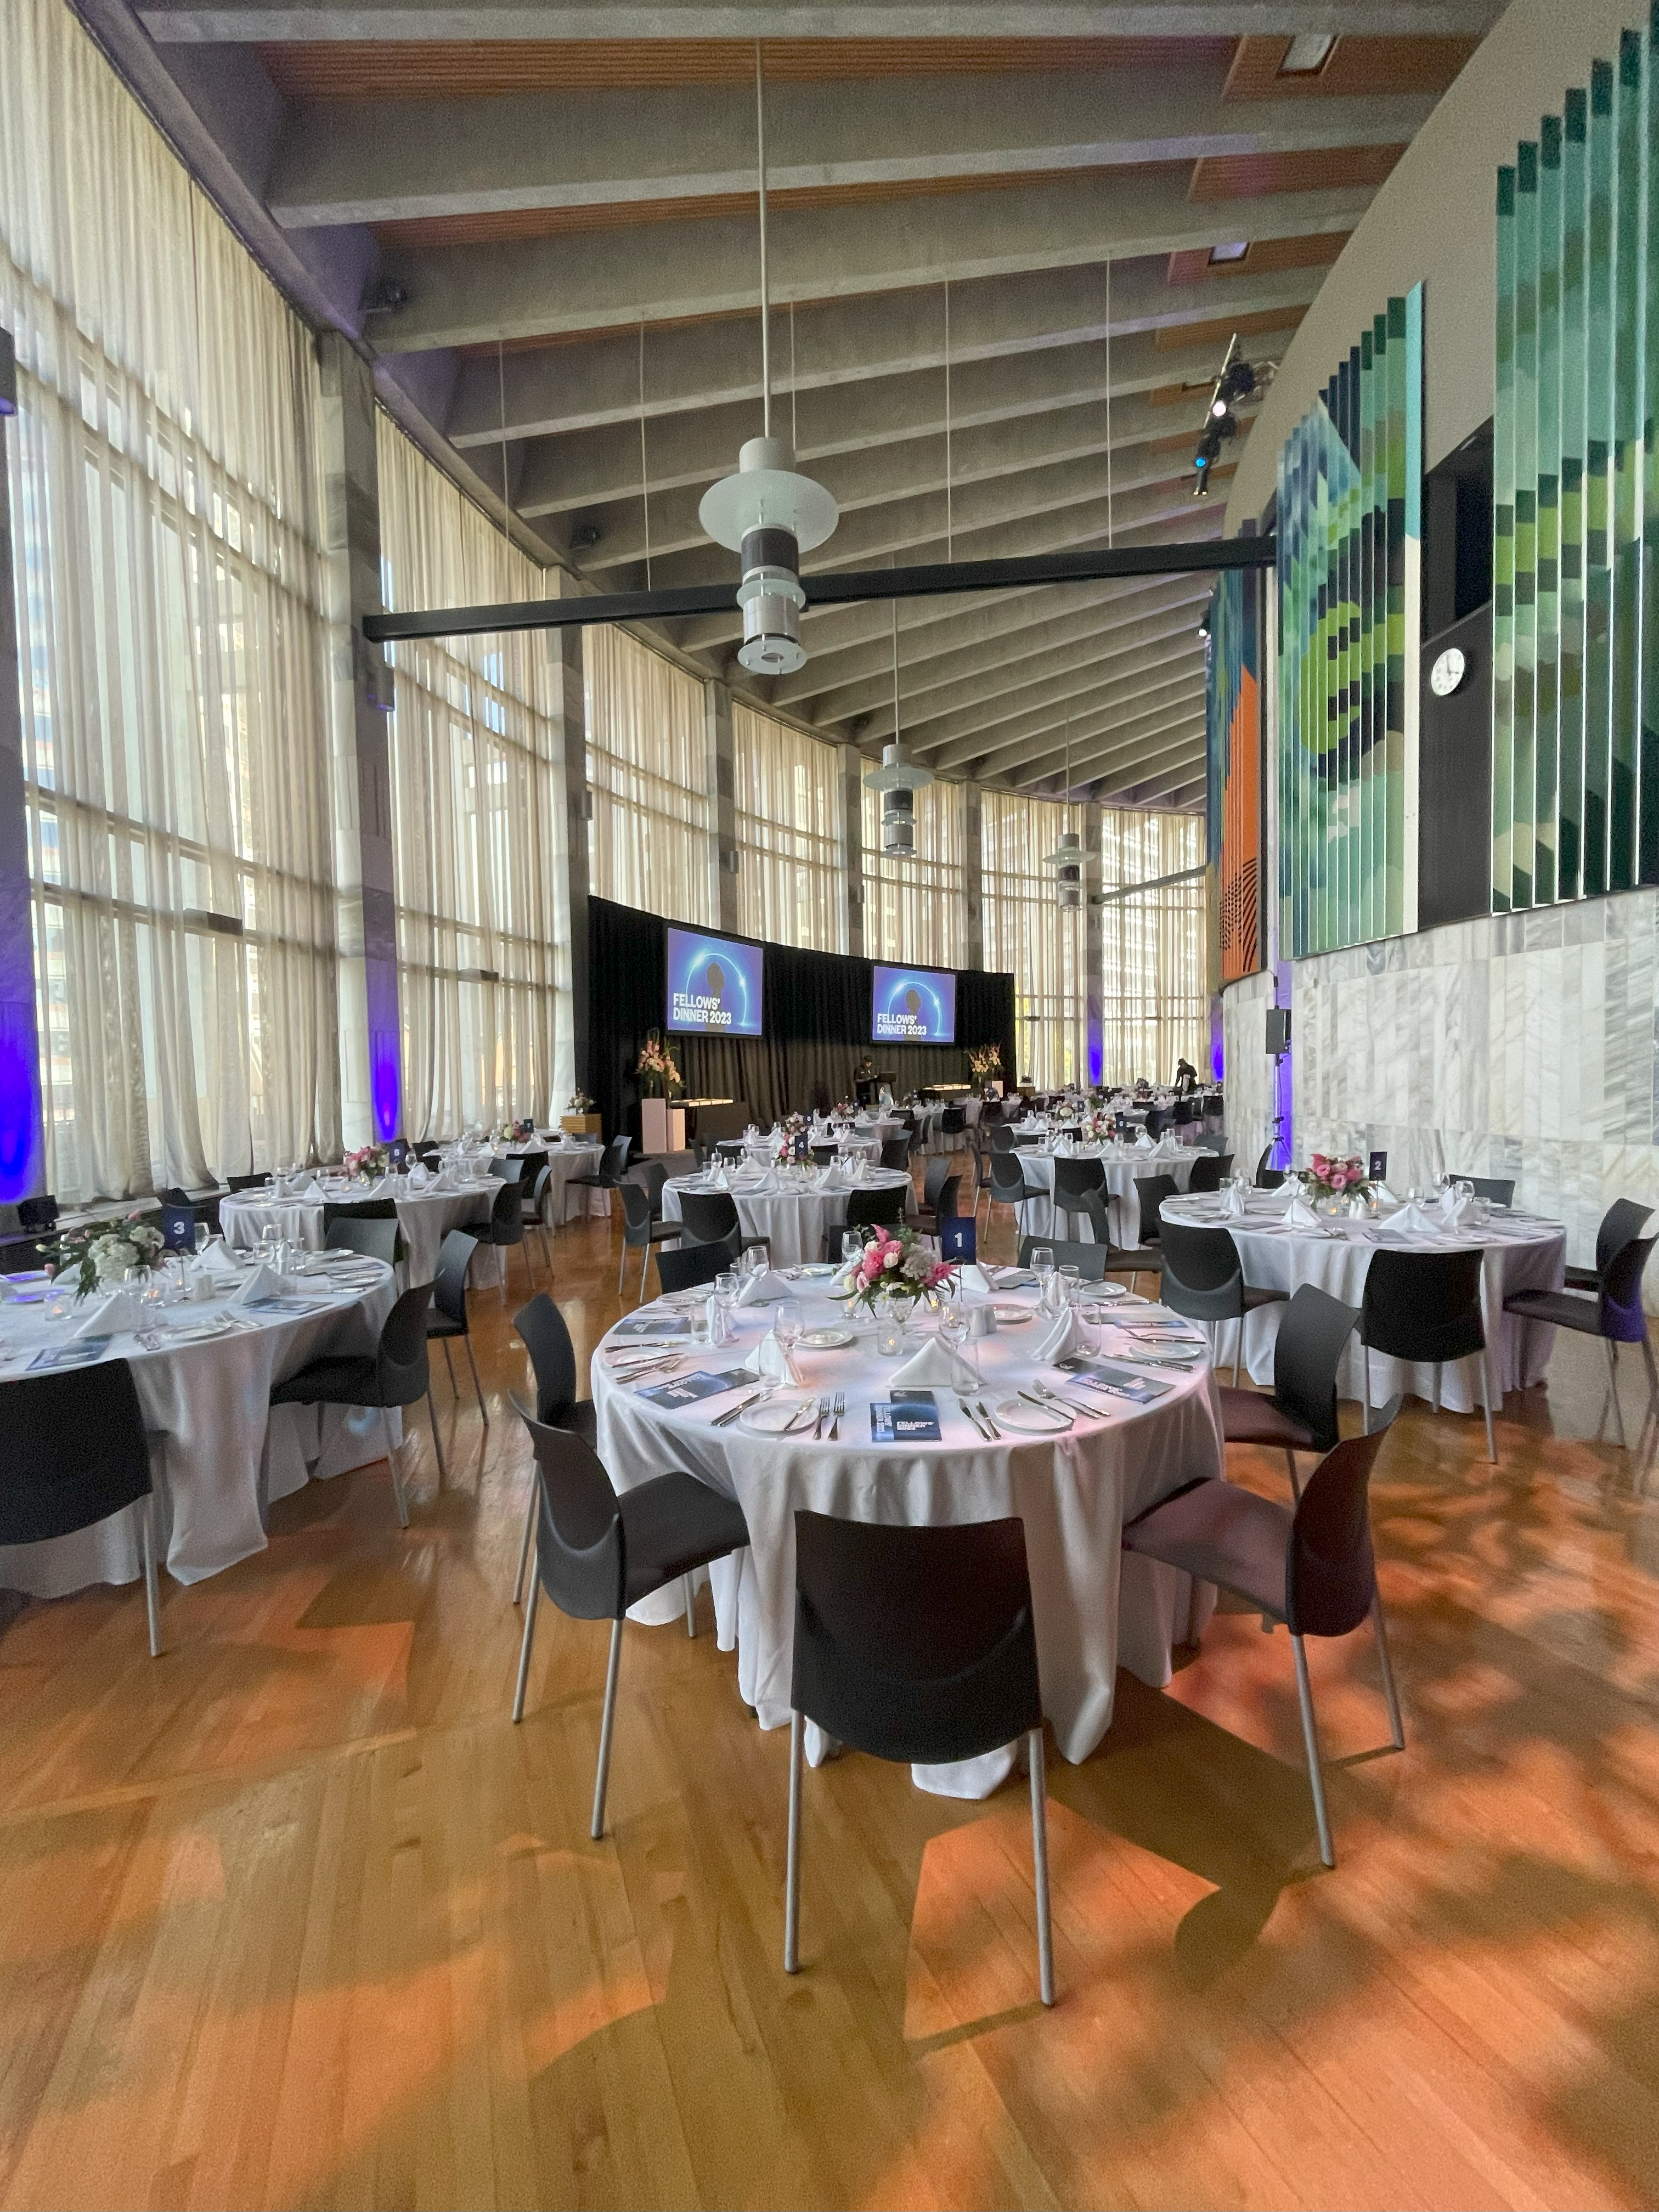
point(1349, 557)
point(1234, 734)
point(1576, 486)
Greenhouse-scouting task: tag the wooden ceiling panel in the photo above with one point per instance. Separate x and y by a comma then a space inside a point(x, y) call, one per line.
point(1354, 67)
point(509, 223)
point(1263, 257)
point(1242, 176)
point(348, 69)
point(1218, 332)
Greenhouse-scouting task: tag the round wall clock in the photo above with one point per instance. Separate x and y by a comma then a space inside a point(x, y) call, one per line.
point(1447, 674)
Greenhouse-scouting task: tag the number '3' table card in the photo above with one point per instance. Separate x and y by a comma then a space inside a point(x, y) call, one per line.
point(909, 1417)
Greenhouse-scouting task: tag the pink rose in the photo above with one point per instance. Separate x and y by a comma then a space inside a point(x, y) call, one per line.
point(1321, 1163)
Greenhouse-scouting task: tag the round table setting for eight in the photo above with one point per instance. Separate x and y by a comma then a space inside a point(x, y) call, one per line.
point(1123, 1165)
point(796, 1209)
point(1284, 1241)
point(206, 1339)
point(1075, 1407)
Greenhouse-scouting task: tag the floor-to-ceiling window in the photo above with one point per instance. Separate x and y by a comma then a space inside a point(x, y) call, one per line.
point(916, 909)
point(165, 517)
point(1155, 1006)
point(651, 841)
point(1028, 934)
point(791, 879)
point(478, 809)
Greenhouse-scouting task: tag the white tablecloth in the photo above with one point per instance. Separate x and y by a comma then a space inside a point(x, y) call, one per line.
point(1518, 1255)
point(1124, 1167)
point(228, 1450)
point(566, 1202)
point(424, 1216)
point(793, 1218)
point(1094, 1608)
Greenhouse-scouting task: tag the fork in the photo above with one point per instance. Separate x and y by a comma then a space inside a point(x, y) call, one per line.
point(836, 1411)
point(824, 1415)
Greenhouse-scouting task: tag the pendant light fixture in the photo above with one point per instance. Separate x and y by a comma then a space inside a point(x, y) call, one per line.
point(1067, 860)
point(898, 781)
point(768, 513)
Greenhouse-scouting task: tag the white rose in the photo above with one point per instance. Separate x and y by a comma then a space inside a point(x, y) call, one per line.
point(113, 1256)
point(891, 1257)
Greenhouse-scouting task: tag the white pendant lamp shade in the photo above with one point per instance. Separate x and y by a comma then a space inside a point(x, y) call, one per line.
point(898, 781)
point(1066, 861)
point(769, 514)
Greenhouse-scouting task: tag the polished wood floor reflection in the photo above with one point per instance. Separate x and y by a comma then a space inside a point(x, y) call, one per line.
point(294, 1916)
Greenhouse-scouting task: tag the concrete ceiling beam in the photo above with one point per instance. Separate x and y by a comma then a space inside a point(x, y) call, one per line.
point(1032, 740)
point(1076, 687)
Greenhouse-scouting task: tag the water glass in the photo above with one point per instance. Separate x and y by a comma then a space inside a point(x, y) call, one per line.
point(1068, 1287)
point(701, 1320)
point(787, 1323)
point(202, 1235)
point(890, 1318)
point(852, 1248)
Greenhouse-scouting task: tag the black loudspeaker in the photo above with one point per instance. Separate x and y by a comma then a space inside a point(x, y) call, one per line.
point(1278, 1029)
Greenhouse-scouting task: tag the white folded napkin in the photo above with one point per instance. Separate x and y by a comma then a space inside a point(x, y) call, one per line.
point(313, 1193)
point(762, 1286)
point(1232, 1203)
point(216, 1263)
point(264, 1283)
point(1298, 1214)
point(1456, 1214)
point(1061, 1339)
point(108, 1316)
point(769, 1358)
point(1410, 1221)
point(935, 1366)
point(1143, 1142)
point(973, 1277)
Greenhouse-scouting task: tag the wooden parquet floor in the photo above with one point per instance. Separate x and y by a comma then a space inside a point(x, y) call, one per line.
point(294, 1916)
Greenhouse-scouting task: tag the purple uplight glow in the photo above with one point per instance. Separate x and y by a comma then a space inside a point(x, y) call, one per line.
point(386, 1084)
point(20, 1167)
point(1218, 1048)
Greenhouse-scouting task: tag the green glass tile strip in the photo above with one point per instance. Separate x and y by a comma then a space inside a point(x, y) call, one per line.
point(1546, 653)
point(1523, 792)
point(1502, 570)
point(1626, 614)
point(1598, 482)
point(1647, 825)
point(1571, 778)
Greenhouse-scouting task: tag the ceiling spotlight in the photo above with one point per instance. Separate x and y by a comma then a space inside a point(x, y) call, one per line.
point(1217, 407)
point(1233, 250)
point(1203, 626)
point(1224, 425)
point(1307, 53)
point(1237, 382)
point(1209, 450)
point(383, 297)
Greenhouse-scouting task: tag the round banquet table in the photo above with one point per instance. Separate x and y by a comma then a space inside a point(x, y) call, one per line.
point(857, 1144)
point(1124, 1166)
point(227, 1452)
point(794, 1214)
point(1519, 1253)
point(1095, 1608)
point(425, 1217)
point(565, 1201)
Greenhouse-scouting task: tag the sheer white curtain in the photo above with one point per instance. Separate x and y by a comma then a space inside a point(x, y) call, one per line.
point(917, 909)
point(478, 810)
point(650, 843)
point(165, 511)
point(1027, 934)
point(1153, 955)
point(791, 883)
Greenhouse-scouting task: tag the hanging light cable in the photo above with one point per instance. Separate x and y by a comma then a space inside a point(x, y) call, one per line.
point(501, 401)
point(950, 531)
point(1108, 404)
point(644, 479)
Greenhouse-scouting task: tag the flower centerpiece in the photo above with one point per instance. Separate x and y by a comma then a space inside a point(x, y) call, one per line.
point(1327, 1176)
point(895, 1266)
point(368, 1163)
point(657, 1068)
point(101, 1255)
point(580, 1102)
point(985, 1062)
point(790, 1131)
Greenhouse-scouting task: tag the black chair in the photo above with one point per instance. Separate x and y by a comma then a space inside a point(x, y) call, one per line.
point(597, 1552)
point(639, 1232)
point(916, 1645)
point(1615, 1313)
point(865, 1208)
point(1071, 1179)
point(824, 1156)
point(1204, 1280)
point(1092, 1262)
point(709, 1217)
point(1133, 1260)
point(1425, 1307)
point(73, 1450)
point(1152, 1193)
point(1301, 1414)
point(608, 1174)
point(942, 1195)
point(446, 1317)
point(375, 1239)
point(652, 1176)
point(1268, 1178)
point(247, 1181)
point(1002, 1137)
point(951, 1123)
point(509, 1168)
point(396, 1373)
point(1498, 1189)
point(367, 1210)
point(543, 1332)
point(505, 1226)
point(896, 1153)
point(1621, 1223)
point(682, 1266)
point(1210, 1170)
point(1310, 1566)
point(1010, 1187)
point(535, 1205)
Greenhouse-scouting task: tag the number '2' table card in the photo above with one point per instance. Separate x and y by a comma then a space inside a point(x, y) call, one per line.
point(909, 1417)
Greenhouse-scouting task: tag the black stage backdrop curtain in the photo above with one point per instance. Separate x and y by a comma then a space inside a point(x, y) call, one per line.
point(817, 1026)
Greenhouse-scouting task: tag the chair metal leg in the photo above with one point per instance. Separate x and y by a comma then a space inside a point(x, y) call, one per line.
point(622, 1263)
point(1612, 1379)
point(1365, 1384)
point(1653, 1373)
point(478, 1386)
point(152, 1596)
point(529, 1536)
point(688, 1591)
point(437, 1441)
point(1238, 1350)
point(1295, 1480)
point(397, 1498)
point(1396, 1726)
point(1040, 1865)
point(449, 1364)
point(1310, 1738)
point(645, 1262)
point(606, 1725)
point(1438, 1371)
point(1486, 1405)
point(791, 1876)
point(529, 1638)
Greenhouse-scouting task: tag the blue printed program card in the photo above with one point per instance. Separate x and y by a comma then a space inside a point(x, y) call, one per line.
point(686, 1389)
point(79, 1354)
point(909, 1417)
point(1115, 1381)
point(653, 1325)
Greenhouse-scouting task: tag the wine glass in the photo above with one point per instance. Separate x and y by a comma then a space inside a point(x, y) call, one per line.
point(1069, 1285)
point(201, 1239)
point(852, 1248)
point(953, 1327)
point(787, 1325)
point(1042, 1267)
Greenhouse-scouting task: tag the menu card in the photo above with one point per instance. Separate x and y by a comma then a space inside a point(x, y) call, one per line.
point(687, 1390)
point(81, 1354)
point(909, 1417)
point(1115, 1381)
point(653, 1325)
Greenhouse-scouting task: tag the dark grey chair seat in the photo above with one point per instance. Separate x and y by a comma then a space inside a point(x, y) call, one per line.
point(1219, 1532)
point(395, 1374)
point(671, 1524)
point(1560, 1309)
point(340, 1380)
point(1250, 1417)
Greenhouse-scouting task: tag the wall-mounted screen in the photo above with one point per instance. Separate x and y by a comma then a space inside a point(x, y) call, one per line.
point(913, 1006)
point(714, 985)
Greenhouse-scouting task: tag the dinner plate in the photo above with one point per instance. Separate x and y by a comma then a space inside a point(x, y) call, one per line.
point(1035, 1420)
point(825, 1339)
point(682, 1301)
point(1012, 1316)
point(770, 1417)
point(814, 1272)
